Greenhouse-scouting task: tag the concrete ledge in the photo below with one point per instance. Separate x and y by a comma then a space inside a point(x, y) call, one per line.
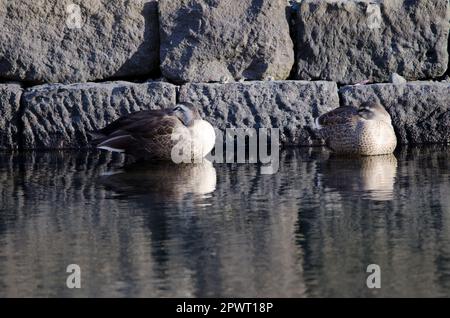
point(57, 116)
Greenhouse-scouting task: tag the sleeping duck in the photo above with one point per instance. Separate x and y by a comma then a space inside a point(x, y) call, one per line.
point(178, 134)
point(364, 131)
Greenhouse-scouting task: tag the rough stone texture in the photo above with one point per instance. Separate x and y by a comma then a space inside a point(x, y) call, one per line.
point(219, 40)
point(59, 116)
point(117, 38)
point(9, 111)
point(343, 41)
point(420, 111)
point(288, 105)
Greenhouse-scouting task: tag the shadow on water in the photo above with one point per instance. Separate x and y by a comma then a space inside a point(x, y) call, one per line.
point(225, 230)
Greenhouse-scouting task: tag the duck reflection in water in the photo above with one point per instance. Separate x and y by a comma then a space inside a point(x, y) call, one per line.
point(373, 176)
point(164, 180)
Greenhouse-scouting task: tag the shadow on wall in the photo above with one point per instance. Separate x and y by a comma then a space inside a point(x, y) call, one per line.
point(447, 74)
point(291, 11)
point(134, 63)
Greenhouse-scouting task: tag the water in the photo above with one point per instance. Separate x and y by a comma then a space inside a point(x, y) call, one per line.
point(310, 230)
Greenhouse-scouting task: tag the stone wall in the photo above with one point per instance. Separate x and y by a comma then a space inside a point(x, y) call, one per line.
point(44, 41)
point(353, 41)
point(71, 66)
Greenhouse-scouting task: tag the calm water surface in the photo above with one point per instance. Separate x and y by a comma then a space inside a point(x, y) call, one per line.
point(226, 230)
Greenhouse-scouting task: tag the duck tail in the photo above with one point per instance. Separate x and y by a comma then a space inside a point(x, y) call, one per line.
point(95, 137)
point(117, 144)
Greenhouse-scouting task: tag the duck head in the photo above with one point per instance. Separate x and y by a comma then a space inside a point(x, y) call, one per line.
point(374, 111)
point(187, 113)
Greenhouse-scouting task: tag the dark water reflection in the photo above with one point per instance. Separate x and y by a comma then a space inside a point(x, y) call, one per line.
point(226, 230)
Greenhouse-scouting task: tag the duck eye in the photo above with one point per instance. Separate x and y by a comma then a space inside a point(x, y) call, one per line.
point(178, 108)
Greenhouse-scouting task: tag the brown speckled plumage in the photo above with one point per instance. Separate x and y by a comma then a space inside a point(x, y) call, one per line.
point(366, 130)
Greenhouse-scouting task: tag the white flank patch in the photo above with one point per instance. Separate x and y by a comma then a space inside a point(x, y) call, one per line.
point(111, 149)
point(110, 173)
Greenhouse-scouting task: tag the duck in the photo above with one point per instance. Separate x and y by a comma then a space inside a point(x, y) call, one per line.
point(177, 134)
point(364, 131)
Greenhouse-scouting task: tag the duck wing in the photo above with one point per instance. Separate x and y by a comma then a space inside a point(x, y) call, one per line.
point(336, 123)
point(137, 132)
point(338, 116)
point(129, 119)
